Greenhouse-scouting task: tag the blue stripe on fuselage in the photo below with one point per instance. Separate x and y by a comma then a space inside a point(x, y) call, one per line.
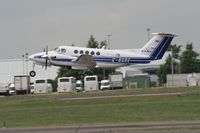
point(105, 59)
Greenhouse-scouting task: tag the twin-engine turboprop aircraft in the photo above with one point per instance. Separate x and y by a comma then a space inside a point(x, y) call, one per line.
point(85, 58)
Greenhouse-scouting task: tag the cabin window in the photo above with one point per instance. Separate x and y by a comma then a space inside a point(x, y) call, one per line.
point(98, 53)
point(81, 51)
point(86, 52)
point(63, 50)
point(92, 53)
point(76, 51)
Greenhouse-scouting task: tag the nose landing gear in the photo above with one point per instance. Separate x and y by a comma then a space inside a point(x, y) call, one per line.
point(32, 73)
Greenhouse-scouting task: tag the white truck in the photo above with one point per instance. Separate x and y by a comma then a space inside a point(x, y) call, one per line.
point(43, 85)
point(116, 81)
point(66, 84)
point(91, 83)
point(21, 84)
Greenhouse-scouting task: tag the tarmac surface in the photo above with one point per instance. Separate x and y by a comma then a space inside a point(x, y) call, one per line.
point(129, 128)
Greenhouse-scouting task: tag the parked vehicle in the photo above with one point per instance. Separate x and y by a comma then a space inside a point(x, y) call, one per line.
point(21, 84)
point(192, 80)
point(66, 84)
point(79, 85)
point(32, 89)
point(116, 81)
point(91, 83)
point(104, 84)
point(11, 87)
point(43, 86)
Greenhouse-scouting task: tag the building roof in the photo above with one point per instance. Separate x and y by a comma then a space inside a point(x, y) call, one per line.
point(13, 67)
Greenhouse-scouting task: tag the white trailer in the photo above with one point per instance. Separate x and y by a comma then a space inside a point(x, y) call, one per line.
point(66, 84)
point(91, 83)
point(116, 81)
point(43, 86)
point(21, 84)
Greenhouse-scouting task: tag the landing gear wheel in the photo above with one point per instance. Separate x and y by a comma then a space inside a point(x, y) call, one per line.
point(32, 73)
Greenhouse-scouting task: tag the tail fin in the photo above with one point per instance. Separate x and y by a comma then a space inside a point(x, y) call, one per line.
point(157, 46)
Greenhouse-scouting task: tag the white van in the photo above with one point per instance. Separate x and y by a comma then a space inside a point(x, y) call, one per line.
point(79, 85)
point(32, 89)
point(91, 83)
point(66, 84)
point(43, 86)
point(105, 84)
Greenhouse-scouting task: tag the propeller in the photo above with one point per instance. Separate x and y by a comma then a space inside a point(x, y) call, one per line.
point(46, 57)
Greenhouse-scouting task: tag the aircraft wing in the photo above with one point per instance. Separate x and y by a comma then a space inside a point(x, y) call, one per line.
point(85, 60)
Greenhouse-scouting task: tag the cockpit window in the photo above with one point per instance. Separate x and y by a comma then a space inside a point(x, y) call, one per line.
point(63, 50)
point(57, 49)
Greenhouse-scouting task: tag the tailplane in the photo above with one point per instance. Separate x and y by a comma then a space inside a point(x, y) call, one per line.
point(157, 46)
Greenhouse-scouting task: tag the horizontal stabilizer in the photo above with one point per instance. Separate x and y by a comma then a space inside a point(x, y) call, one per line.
point(166, 34)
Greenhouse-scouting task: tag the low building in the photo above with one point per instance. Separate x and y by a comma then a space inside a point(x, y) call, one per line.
point(190, 79)
point(12, 67)
point(137, 81)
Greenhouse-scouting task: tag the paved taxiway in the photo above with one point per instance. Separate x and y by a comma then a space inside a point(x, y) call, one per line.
point(130, 128)
point(107, 95)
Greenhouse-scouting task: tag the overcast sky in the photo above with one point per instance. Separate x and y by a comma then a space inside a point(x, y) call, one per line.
point(30, 25)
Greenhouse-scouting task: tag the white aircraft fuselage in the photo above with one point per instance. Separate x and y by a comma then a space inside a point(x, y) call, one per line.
point(84, 58)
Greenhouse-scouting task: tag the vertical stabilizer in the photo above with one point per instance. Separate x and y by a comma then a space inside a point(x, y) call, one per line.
point(157, 46)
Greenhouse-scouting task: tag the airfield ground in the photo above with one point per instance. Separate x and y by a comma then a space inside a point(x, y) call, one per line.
point(132, 106)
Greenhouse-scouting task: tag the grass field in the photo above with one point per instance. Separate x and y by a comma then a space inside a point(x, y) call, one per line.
point(49, 110)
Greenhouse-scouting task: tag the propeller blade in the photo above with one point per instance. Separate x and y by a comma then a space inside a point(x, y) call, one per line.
point(46, 50)
point(46, 61)
point(46, 58)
